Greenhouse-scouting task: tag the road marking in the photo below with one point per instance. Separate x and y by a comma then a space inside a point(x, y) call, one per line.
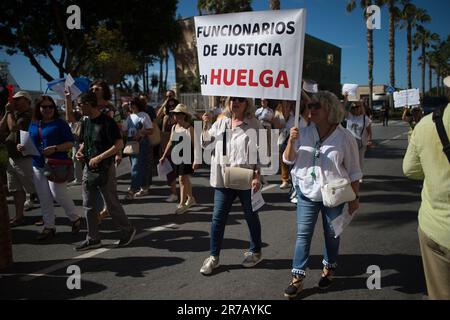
point(90, 254)
point(156, 229)
point(270, 186)
point(394, 138)
point(31, 275)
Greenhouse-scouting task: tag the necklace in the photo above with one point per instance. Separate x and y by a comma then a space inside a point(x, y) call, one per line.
point(317, 147)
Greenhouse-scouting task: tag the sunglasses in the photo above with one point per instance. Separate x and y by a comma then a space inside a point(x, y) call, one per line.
point(314, 105)
point(235, 99)
point(47, 107)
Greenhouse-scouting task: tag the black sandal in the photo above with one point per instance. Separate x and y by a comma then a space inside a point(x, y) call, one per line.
point(76, 226)
point(326, 280)
point(46, 234)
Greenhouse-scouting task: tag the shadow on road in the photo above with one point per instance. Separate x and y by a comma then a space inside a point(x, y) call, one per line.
point(385, 152)
point(405, 272)
point(55, 284)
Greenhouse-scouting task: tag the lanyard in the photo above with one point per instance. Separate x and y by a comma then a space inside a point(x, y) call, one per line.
point(41, 137)
point(316, 154)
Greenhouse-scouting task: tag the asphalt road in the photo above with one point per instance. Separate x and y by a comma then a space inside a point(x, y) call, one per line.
point(164, 261)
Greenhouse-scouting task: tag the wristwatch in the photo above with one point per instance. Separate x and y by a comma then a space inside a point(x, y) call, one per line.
point(56, 148)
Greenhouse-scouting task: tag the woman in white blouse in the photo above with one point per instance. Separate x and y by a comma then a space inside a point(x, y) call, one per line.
point(360, 125)
point(238, 126)
point(320, 153)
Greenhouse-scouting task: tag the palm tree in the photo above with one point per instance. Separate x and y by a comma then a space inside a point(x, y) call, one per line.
point(441, 62)
point(411, 17)
point(394, 18)
point(351, 5)
point(423, 38)
point(431, 64)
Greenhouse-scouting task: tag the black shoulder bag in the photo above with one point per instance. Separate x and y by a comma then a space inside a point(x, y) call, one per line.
point(437, 118)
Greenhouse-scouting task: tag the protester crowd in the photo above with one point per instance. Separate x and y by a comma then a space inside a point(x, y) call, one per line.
point(85, 144)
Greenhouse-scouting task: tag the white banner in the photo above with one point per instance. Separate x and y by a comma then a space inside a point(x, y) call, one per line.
point(251, 54)
point(404, 98)
point(351, 89)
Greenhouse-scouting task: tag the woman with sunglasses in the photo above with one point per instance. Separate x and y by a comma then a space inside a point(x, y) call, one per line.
point(323, 151)
point(237, 128)
point(360, 125)
point(53, 139)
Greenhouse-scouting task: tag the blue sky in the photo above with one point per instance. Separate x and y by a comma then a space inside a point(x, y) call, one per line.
point(327, 20)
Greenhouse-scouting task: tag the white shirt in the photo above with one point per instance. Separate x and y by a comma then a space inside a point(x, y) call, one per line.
point(140, 120)
point(355, 126)
point(241, 147)
point(339, 158)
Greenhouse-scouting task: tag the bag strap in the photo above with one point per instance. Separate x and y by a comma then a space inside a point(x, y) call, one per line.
point(41, 136)
point(364, 125)
point(437, 118)
point(224, 140)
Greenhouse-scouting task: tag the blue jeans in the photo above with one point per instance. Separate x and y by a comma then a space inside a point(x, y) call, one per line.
point(223, 200)
point(139, 167)
point(307, 213)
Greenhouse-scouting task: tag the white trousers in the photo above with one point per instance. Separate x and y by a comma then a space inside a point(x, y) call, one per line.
point(362, 153)
point(47, 191)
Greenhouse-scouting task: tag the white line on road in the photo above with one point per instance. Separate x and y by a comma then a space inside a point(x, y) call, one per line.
point(394, 138)
point(270, 186)
point(31, 275)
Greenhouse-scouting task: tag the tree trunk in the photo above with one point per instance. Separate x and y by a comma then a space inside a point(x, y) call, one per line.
point(6, 257)
point(430, 78)
point(167, 68)
point(370, 59)
point(391, 44)
point(424, 62)
point(438, 81)
point(408, 55)
point(161, 84)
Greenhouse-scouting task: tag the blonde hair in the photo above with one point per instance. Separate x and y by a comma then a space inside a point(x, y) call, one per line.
point(331, 103)
point(249, 111)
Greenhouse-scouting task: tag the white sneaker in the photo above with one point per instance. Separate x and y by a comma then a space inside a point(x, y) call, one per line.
point(209, 265)
point(181, 209)
point(28, 205)
point(172, 198)
point(142, 193)
point(293, 195)
point(190, 202)
point(251, 259)
point(285, 185)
